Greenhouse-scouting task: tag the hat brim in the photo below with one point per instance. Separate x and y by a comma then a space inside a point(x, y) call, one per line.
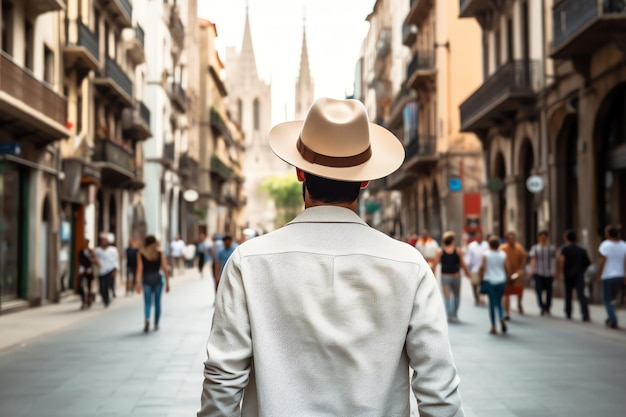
point(387, 154)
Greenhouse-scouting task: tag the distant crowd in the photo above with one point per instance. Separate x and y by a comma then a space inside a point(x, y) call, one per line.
point(498, 268)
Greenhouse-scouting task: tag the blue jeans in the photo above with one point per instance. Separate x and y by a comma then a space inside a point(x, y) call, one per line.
point(148, 292)
point(496, 291)
point(453, 300)
point(610, 288)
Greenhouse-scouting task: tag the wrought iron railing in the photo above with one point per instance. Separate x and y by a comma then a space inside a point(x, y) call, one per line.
point(106, 150)
point(77, 33)
point(424, 145)
point(21, 84)
point(221, 169)
point(516, 77)
point(423, 60)
point(169, 149)
point(569, 16)
point(113, 71)
point(144, 112)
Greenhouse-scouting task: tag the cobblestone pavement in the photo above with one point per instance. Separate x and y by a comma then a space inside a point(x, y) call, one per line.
point(102, 364)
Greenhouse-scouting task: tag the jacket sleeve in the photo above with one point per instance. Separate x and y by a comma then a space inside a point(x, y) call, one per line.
point(435, 381)
point(229, 349)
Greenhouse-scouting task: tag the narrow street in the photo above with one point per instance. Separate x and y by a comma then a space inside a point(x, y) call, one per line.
point(104, 365)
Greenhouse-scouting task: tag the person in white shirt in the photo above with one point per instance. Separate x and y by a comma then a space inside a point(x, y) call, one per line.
point(611, 271)
point(428, 247)
point(177, 252)
point(108, 265)
point(474, 259)
point(494, 271)
point(326, 315)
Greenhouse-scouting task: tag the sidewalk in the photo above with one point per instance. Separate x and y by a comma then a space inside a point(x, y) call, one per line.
point(18, 328)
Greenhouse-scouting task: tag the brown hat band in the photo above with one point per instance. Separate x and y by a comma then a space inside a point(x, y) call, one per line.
point(313, 157)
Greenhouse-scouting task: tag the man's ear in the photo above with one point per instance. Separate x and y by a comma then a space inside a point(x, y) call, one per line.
point(364, 184)
point(300, 174)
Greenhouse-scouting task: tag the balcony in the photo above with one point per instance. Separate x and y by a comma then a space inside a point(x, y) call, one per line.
point(37, 7)
point(220, 170)
point(473, 8)
point(420, 73)
point(115, 161)
point(81, 46)
point(121, 10)
point(134, 42)
point(169, 151)
point(136, 122)
point(175, 24)
point(178, 96)
point(584, 26)
point(419, 11)
point(189, 169)
point(511, 87)
point(116, 81)
point(219, 127)
point(29, 108)
point(421, 153)
point(409, 34)
point(400, 179)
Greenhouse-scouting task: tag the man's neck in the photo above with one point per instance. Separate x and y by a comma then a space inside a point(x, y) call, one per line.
point(316, 203)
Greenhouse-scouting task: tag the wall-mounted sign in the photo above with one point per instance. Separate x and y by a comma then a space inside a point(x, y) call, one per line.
point(455, 184)
point(9, 148)
point(535, 184)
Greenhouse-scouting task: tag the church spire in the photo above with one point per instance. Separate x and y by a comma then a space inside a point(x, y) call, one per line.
point(304, 85)
point(247, 50)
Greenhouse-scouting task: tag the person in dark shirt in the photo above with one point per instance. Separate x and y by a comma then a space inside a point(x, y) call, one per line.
point(86, 261)
point(131, 266)
point(573, 262)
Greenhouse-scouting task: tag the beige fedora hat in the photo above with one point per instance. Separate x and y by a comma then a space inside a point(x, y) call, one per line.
point(337, 141)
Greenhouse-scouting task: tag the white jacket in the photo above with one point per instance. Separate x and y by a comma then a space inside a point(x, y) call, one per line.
point(323, 318)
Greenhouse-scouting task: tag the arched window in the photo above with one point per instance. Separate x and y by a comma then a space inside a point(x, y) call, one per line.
point(256, 109)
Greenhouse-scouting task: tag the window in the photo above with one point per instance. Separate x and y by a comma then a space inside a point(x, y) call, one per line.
point(48, 62)
point(7, 28)
point(79, 110)
point(498, 46)
point(106, 39)
point(29, 45)
point(256, 110)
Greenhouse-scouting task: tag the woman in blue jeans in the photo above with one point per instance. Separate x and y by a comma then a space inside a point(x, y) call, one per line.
point(494, 272)
point(150, 263)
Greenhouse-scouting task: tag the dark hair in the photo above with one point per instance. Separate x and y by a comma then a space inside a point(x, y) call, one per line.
point(613, 231)
point(543, 233)
point(227, 237)
point(570, 235)
point(149, 240)
point(331, 191)
point(494, 242)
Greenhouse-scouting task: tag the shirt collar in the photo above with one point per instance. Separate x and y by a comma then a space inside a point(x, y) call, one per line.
point(328, 214)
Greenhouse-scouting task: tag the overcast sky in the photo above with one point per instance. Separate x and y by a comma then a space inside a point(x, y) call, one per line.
point(335, 31)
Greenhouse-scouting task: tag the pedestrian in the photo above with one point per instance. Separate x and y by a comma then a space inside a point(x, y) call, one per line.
point(516, 258)
point(222, 257)
point(573, 262)
point(428, 247)
point(218, 244)
point(474, 259)
point(86, 261)
point(494, 272)
point(202, 252)
point(152, 274)
point(189, 253)
point(177, 249)
point(108, 265)
point(331, 311)
point(611, 270)
point(131, 266)
point(452, 261)
point(542, 256)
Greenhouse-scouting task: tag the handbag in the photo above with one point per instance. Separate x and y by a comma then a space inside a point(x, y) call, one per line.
point(484, 287)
